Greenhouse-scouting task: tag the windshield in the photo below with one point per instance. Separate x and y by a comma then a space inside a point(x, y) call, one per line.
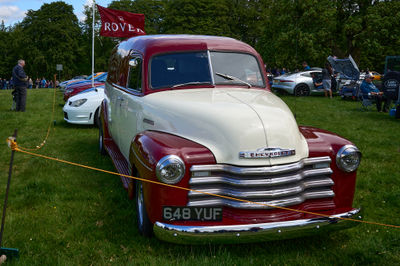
point(170, 70)
point(193, 68)
point(243, 67)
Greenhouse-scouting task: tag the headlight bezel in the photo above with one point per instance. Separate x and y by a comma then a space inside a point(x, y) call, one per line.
point(170, 161)
point(78, 102)
point(346, 151)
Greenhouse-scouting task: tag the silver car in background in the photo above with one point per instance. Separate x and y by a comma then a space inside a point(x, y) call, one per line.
point(300, 83)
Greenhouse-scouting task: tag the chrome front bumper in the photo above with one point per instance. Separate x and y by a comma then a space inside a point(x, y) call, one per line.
point(248, 233)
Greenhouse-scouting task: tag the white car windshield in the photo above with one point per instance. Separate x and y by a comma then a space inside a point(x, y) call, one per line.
point(174, 70)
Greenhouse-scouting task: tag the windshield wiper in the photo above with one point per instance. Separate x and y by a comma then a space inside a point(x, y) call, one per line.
point(226, 76)
point(191, 83)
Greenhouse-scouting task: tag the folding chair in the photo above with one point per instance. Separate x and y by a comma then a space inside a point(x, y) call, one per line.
point(367, 102)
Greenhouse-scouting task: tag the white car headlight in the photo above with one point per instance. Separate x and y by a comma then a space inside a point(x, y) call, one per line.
point(348, 158)
point(170, 169)
point(77, 103)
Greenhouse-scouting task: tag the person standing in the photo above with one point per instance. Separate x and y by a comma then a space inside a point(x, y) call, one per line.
point(30, 83)
point(20, 83)
point(306, 66)
point(327, 79)
point(43, 83)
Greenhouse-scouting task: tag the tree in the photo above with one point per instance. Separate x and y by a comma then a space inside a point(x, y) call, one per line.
point(197, 17)
point(296, 31)
point(381, 36)
point(49, 36)
point(5, 61)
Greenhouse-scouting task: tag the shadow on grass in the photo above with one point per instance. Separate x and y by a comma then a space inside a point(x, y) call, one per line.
point(66, 125)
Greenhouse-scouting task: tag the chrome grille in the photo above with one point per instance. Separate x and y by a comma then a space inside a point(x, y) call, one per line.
point(282, 185)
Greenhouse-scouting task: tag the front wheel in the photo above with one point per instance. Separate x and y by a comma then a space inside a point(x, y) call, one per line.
point(302, 90)
point(144, 225)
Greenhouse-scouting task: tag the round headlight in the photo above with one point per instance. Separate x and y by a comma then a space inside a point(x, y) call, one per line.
point(348, 158)
point(170, 169)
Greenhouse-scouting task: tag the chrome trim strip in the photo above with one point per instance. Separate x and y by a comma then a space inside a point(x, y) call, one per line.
point(247, 233)
point(259, 181)
point(277, 169)
point(140, 161)
point(252, 193)
point(284, 202)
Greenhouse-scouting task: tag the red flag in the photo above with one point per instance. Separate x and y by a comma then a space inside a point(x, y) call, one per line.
point(116, 23)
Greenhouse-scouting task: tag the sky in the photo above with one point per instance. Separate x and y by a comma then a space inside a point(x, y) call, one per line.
point(13, 11)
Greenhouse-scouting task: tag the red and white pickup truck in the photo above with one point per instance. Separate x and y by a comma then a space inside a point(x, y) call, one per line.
point(196, 112)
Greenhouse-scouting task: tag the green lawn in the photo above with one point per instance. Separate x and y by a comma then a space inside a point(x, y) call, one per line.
point(65, 215)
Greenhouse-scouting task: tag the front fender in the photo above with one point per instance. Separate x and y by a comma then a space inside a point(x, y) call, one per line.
point(147, 149)
point(324, 143)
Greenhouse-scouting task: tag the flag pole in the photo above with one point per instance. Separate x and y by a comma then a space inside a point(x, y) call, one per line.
point(93, 44)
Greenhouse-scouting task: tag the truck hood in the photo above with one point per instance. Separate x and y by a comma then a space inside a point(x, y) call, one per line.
point(229, 122)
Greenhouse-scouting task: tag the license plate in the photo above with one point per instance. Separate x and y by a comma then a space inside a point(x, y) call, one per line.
point(174, 213)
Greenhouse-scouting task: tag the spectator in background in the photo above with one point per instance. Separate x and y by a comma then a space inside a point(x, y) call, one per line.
point(43, 83)
point(327, 73)
point(30, 83)
point(306, 66)
point(37, 83)
point(317, 83)
point(369, 90)
point(20, 82)
point(10, 84)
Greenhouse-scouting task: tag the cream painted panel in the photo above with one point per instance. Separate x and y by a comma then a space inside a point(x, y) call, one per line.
point(227, 121)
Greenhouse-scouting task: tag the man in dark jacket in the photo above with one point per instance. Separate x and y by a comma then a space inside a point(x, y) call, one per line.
point(20, 83)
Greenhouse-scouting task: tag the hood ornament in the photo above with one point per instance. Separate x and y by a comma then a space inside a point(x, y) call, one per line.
point(266, 153)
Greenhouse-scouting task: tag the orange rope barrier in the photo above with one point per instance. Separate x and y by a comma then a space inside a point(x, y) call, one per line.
point(49, 128)
point(14, 146)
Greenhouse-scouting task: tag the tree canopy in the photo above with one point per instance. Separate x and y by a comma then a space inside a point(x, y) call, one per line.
point(285, 32)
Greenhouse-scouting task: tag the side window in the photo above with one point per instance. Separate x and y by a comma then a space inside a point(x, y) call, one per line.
point(135, 75)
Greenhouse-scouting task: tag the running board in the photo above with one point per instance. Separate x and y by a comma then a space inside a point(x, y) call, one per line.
point(119, 161)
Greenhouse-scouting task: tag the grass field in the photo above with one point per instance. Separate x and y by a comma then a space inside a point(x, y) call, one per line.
point(65, 215)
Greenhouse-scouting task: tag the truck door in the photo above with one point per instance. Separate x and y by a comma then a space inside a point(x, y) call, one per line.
point(130, 113)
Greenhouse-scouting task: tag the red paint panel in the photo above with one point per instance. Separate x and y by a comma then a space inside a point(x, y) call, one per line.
point(324, 143)
point(80, 87)
point(149, 148)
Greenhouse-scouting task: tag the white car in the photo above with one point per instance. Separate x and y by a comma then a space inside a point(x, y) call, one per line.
point(300, 83)
point(83, 108)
